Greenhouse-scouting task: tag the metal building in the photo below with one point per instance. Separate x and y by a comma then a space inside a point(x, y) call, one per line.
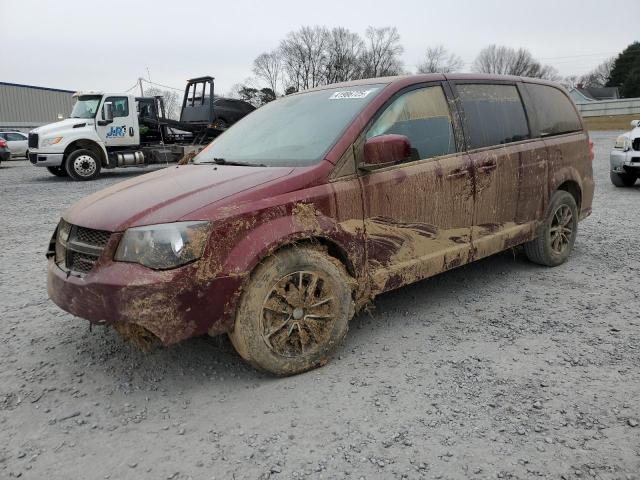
point(24, 107)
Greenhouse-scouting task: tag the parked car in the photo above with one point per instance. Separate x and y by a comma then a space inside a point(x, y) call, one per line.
point(303, 211)
point(5, 153)
point(625, 157)
point(17, 142)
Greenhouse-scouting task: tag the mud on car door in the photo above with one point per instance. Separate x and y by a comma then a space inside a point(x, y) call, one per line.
point(418, 213)
point(510, 169)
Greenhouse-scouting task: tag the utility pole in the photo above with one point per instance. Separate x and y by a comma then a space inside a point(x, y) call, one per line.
point(140, 83)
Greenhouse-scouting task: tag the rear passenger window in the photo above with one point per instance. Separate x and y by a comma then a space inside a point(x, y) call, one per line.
point(423, 116)
point(554, 112)
point(493, 114)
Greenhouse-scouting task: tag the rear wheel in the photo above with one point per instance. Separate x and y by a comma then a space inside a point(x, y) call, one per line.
point(83, 165)
point(294, 312)
point(220, 124)
point(557, 233)
point(58, 171)
point(623, 179)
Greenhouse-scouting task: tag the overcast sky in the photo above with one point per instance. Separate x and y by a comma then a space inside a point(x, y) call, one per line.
point(107, 45)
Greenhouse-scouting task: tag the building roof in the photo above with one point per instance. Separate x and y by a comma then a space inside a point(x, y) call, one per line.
point(35, 87)
point(598, 93)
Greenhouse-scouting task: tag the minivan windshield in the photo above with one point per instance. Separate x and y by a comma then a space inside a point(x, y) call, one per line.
point(86, 106)
point(295, 130)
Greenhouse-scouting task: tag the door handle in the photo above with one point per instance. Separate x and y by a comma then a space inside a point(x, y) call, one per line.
point(131, 131)
point(458, 173)
point(488, 166)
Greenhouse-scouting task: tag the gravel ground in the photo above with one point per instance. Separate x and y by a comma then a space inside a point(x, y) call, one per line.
point(499, 369)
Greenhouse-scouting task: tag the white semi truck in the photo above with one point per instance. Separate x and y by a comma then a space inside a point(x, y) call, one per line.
point(109, 130)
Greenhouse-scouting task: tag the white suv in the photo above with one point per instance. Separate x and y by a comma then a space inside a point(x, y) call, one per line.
point(625, 157)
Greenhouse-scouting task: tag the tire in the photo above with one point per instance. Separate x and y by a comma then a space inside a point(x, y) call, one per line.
point(557, 233)
point(622, 179)
point(279, 332)
point(58, 171)
point(220, 124)
point(83, 165)
point(26, 154)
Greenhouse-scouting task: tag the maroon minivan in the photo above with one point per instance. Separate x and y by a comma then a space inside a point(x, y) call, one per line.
point(309, 207)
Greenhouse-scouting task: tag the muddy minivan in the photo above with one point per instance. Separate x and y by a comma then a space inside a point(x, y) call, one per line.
point(309, 207)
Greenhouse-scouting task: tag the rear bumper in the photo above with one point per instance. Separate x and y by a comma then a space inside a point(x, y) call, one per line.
point(174, 305)
point(625, 162)
point(46, 159)
point(4, 156)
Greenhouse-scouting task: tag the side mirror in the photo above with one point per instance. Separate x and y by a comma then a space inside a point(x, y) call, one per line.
point(385, 150)
point(635, 123)
point(107, 112)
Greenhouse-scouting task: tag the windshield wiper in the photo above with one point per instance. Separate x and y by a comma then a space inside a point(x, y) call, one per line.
point(222, 161)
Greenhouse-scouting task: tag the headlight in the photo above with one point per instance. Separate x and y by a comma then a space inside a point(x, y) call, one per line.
point(47, 142)
point(623, 143)
point(163, 246)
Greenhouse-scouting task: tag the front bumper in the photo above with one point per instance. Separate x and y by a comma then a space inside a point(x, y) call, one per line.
point(46, 159)
point(173, 305)
point(625, 162)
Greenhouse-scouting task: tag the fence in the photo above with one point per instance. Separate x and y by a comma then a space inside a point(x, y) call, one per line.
point(623, 106)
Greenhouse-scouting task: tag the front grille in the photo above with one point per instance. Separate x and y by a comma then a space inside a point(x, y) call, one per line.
point(77, 249)
point(636, 144)
point(33, 140)
point(99, 238)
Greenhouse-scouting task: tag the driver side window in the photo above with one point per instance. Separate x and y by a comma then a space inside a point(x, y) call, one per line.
point(120, 106)
point(423, 116)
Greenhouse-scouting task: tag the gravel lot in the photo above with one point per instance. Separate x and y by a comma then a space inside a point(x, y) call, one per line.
point(499, 369)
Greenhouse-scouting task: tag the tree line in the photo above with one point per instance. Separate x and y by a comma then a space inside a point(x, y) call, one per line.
point(313, 56)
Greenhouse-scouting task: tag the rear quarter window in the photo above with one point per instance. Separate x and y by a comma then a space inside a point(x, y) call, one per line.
point(493, 115)
point(553, 111)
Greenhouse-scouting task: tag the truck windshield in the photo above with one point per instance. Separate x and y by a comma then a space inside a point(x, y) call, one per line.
point(295, 130)
point(86, 106)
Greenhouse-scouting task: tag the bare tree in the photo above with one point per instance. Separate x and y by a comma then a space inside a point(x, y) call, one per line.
point(172, 100)
point(599, 76)
point(439, 60)
point(382, 52)
point(503, 60)
point(570, 81)
point(344, 50)
point(304, 57)
point(268, 67)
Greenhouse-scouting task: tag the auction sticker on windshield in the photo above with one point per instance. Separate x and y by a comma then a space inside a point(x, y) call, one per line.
point(347, 94)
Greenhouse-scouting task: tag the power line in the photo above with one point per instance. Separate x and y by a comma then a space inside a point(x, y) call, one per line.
point(576, 56)
point(164, 86)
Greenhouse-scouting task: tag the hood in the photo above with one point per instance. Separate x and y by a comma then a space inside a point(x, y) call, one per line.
point(61, 126)
point(166, 195)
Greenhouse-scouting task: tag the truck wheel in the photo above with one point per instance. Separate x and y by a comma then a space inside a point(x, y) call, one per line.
point(83, 165)
point(294, 312)
point(622, 179)
point(58, 171)
point(557, 233)
point(220, 124)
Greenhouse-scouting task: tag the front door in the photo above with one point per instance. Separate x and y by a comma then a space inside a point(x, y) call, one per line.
point(417, 213)
point(123, 130)
point(505, 160)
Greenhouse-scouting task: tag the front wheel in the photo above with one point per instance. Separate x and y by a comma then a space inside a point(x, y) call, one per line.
point(622, 179)
point(83, 165)
point(557, 233)
point(294, 312)
point(58, 171)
